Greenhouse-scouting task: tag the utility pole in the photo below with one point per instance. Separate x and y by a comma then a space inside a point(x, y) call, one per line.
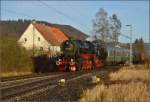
point(33, 36)
point(130, 43)
point(114, 51)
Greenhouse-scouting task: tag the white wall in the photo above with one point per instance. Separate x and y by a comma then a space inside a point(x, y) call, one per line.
point(29, 33)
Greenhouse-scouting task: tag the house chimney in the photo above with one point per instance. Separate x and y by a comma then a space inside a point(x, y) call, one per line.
point(33, 21)
point(42, 23)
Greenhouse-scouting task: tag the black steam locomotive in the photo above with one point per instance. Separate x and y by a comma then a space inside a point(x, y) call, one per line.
point(81, 55)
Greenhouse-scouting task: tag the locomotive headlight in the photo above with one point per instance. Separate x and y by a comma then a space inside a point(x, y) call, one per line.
point(58, 62)
point(72, 62)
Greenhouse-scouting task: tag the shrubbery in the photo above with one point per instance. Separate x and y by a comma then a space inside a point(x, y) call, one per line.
point(136, 90)
point(14, 58)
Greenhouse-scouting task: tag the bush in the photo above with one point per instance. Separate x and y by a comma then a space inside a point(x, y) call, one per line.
point(130, 74)
point(14, 58)
point(137, 90)
point(131, 92)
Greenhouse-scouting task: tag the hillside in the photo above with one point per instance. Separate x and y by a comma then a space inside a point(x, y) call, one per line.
point(13, 28)
point(16, 28)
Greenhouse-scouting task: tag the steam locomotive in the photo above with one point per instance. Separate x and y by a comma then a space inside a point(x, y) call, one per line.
point(81, 55)
point(85, 55)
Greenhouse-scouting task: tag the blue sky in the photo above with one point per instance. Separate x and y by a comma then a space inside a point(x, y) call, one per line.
point(80, 14)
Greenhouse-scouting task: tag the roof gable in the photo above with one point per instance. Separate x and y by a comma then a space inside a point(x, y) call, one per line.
point(71, 32)
point(68, 30)
point(51, 34)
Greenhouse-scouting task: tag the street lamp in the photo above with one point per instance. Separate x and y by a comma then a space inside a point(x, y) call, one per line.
point(130, 43)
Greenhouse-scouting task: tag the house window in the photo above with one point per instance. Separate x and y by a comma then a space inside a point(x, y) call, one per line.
point(25, 39)
point(49, 49)
point(38, 38)
point(41, 48)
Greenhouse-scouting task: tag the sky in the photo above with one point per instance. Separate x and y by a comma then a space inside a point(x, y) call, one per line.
point(80, 14)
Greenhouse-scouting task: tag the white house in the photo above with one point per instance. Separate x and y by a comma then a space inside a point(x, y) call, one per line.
point(42, 37)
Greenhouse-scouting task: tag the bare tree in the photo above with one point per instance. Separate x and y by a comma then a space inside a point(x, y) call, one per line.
point(101, 25)
point(115, 27)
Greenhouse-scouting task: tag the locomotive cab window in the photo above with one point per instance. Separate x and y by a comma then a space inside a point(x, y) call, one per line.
point(68, 44)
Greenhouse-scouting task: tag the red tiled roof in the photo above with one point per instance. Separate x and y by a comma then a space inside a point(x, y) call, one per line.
point(52, 34)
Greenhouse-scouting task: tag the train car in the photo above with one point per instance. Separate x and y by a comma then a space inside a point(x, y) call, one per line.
point(117, 55)
point(85, 55)
point(100, 49)
point(138, 57)
point(81, 55)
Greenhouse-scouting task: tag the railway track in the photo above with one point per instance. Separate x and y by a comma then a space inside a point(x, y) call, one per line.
point(13, 89)
point(13, 78)
point(17, 87)
point(22, 89)
point(18, 82)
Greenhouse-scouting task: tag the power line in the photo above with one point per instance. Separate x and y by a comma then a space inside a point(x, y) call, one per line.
point(111, 37)
point(23, 14)
point(61, 13)
point(125, 36)
point(17, 13)
point(79, 14)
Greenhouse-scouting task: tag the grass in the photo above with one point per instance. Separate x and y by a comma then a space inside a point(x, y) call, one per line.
point(14, 59)
point(130, 74)
point(136, 90)
point(131, 92)
point(15, 73)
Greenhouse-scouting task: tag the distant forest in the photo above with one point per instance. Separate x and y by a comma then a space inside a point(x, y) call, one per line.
point(15, 28)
